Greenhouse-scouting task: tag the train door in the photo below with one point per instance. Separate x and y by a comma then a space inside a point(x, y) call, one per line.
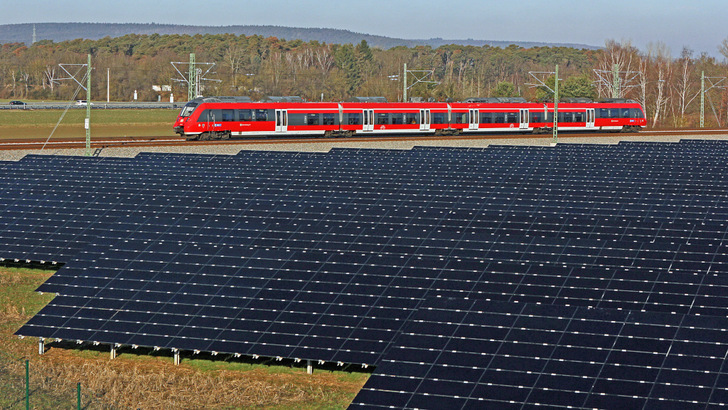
point(473, 119)
point(368, 120)
point(590, 117)
point(424, 120)
point(524, 119)
point(281, 120)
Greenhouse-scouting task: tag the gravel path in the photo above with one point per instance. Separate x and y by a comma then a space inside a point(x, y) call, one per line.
point(231, 149)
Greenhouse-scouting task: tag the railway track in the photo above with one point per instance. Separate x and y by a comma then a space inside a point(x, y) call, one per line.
point(157, 141)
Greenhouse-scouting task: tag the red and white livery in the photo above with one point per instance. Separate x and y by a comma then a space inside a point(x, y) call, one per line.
point(235, 117)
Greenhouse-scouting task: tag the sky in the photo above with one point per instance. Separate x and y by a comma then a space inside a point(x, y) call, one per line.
point(700, 25)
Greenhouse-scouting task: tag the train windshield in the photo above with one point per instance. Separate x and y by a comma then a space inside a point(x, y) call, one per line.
point(188, 109)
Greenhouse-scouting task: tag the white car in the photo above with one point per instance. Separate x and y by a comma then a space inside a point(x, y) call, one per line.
point(82, 102)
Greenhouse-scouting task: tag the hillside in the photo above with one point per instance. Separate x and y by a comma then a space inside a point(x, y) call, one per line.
point(23, 33)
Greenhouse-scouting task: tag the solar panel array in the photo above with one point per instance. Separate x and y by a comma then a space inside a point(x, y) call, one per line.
point(476, 354)
point(328, 256)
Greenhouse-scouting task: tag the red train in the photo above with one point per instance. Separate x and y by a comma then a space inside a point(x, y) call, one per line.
point(233, 117)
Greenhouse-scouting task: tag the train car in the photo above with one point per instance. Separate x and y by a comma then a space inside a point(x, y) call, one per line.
point(233, 117)
point(495, 115)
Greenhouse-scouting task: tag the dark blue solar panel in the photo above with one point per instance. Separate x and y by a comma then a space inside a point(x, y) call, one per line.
point(325, 256)
point(477, 354)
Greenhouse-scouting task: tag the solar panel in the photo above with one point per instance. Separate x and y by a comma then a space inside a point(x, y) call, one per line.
point(477, 354)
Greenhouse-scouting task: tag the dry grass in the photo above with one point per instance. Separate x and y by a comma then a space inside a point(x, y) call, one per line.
point(145, 381)
point(155, 385)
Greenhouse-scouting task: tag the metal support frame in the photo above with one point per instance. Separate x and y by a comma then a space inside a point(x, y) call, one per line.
point(177, 358)
point(555, 90)
point(618, 81)
point(113, 352)
point(420, 77)
point(41, 345)
point(88, 107)
point(309, 367)
point(556, 107)
point(702, 99)
point(194, 76)
point(193, 90)
point(714, 82)
point(87, 87)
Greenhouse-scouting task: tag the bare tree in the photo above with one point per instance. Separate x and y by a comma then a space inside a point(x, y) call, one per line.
point(324, 59)
point(234, 59)
point(50, 77)
point(644, 63)
point(621, 55)
point(684, 81)
point(663, 69)
point(723, 47)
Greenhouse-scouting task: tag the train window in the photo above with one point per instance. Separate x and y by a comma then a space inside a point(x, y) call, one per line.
point(397, 118)
point(245, 115)
point(210, 116)
point(512, 118)
point(329, 119)
point(566, 116)
point(579, 116)
point(412, 118)
point(624, 113)
point(603, 113)
point(312, 119)
point(188, 109)
point(297, 119)
point(228, 115)
point(486, 117)
point(536, 116)
point(459, 118)
point(382, 118)
point(499, 117)
point(635, 113)
point(439, 118)
point(353, 118)
point(261, 115)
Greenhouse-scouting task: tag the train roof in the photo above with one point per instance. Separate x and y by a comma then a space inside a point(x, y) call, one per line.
point(618, 101)
point(368, 99)
point(221, 99)
point(495, 100)
point(282, 98)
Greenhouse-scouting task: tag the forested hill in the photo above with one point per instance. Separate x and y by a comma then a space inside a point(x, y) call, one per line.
point(23, 33)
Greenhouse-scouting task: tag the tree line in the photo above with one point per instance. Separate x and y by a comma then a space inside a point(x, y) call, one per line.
point(257, 66)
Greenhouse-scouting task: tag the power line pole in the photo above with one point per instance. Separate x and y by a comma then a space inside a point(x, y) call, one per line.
point(192, 89)
point(702, 99)
point(88, 107)
point(555, 90)
point(404, 82)
point(87, 87)
point(556, 106)
point(620, 80)
point(421, 76)
point(714, 82)
point(194, 76)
